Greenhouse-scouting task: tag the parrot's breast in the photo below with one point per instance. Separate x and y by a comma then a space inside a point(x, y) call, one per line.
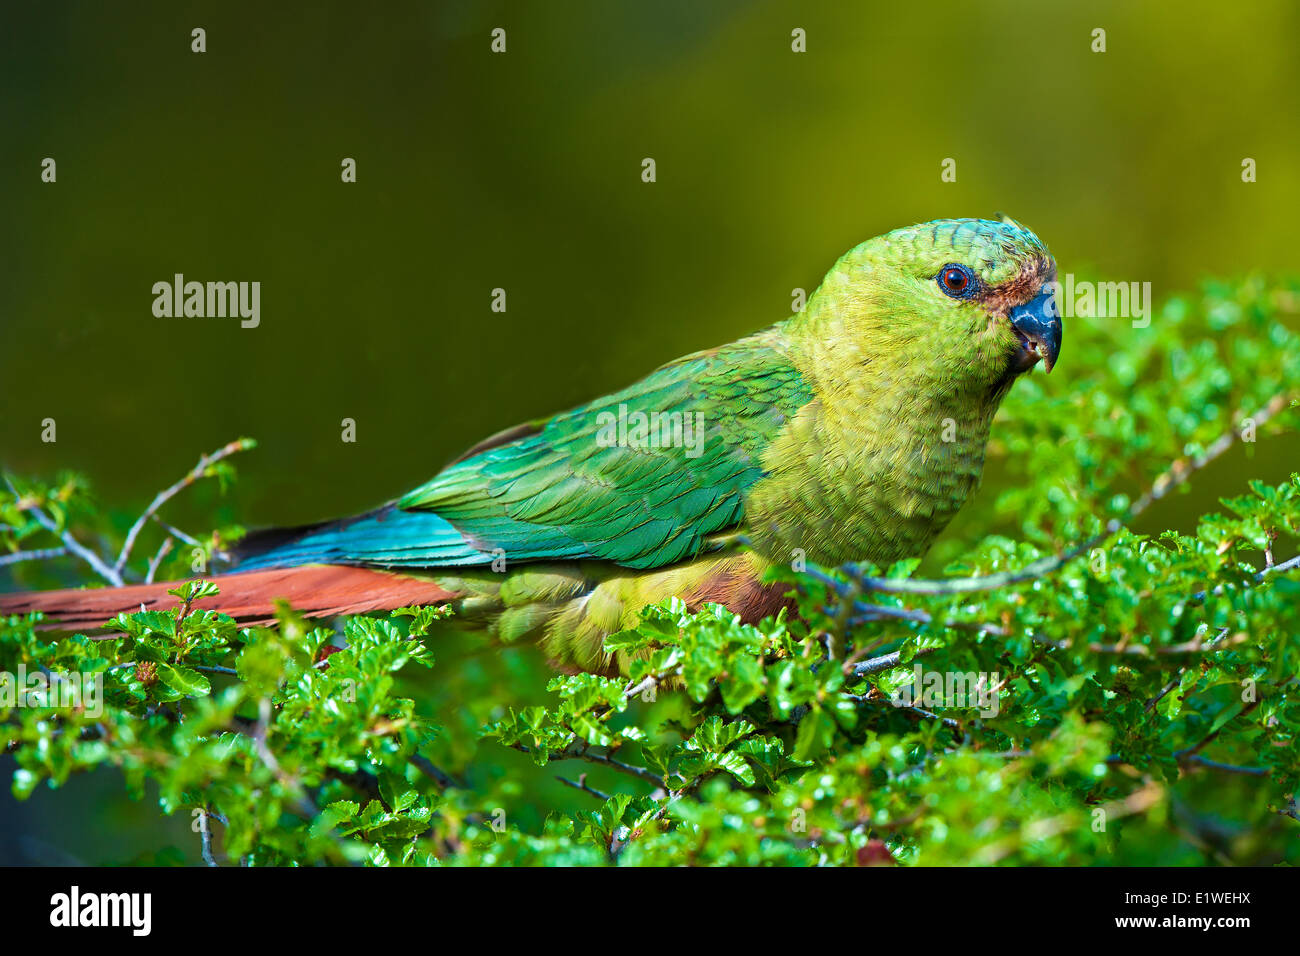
point(875, 483)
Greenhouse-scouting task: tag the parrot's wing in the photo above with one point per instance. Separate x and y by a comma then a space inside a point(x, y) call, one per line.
point(641, 477)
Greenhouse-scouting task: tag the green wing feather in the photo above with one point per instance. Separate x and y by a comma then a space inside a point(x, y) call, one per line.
point(563, 493)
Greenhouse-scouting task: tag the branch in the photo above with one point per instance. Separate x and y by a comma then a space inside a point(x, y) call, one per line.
point(41, 554)
point(72, 544)
point(205, 832)
point(571, 754)
point(163, 550)
point(949, 722)
point(987, 582)
point(434, 773)
point(1195, 749)
point(1289, 565)
point(871, 612)
point(198, 471)
point(303, 802)
point(1200, 761)
point(581, 784)
point(887, 662)
point(915, 615)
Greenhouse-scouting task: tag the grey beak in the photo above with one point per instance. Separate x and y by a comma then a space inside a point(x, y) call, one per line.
point(1039, 324)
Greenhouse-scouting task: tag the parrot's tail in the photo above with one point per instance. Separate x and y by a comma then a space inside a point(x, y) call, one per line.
point(318, 590)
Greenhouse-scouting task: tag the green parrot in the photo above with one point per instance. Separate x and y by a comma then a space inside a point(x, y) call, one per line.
point(851, 431)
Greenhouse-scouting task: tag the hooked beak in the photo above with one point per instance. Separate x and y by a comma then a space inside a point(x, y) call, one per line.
point(1038, 326)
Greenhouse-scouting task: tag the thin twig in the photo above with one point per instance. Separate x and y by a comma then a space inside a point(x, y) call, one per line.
point(1197, 748)
point(918, 616)
point(1178, 677)
point(886, 662)
point(434, 773)
point(187, 538)
point(1288, 565)
point(40, 554)
point(1200, 761)
point(71, 543)
point(920, 711)
point(870, 612)
point(258, 737)
point(198, 471)
point(578, 754)
point(205, 833)
point(581, 784)
point(1291, 809)
point(163, 550)
point(987, 582)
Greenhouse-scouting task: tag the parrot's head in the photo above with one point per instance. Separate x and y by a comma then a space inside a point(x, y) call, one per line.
point(966, 301)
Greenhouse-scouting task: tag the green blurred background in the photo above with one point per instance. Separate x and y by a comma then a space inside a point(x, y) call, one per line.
point(522, 171)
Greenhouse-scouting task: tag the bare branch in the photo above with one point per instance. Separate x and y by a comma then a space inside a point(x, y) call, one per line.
point(949, 722)
point(205, 832)
point(572, 753)
point(1288, 565)
point(303, 802)
point(581, 784)
point(1200, 761)
point(434, 773)
point(72, 544)
point(163, 550)
point(41, 554)
point(197, 472)
point(886, 662)
point(1195, 749)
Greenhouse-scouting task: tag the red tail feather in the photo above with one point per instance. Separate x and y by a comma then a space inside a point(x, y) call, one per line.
point(316, 590)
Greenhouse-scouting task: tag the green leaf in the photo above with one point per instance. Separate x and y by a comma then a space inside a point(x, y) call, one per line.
point(184, 680)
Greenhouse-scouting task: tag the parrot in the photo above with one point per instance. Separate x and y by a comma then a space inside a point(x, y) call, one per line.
point(851, 431)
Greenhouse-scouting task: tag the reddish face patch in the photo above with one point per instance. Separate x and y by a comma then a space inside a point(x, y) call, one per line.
point(1020, 288)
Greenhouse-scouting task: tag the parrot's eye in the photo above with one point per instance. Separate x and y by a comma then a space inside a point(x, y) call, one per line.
point(957, 281)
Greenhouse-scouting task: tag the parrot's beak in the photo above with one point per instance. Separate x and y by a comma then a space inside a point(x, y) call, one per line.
point(1038, 325)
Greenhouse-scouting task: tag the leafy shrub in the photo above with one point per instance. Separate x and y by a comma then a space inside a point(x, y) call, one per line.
point(1109, 696)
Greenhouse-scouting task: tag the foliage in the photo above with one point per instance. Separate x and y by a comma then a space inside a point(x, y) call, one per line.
point(1132, 698)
